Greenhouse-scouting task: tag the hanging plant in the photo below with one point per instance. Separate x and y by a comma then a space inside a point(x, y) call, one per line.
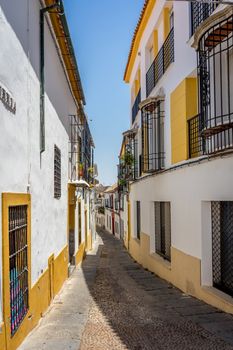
point(91, 170)
point(128, 158)
point(122, 182)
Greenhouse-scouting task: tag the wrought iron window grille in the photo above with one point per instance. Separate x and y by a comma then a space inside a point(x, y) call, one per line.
point(138, 219)
point(153, 153)
point(163, 229)
point(222, 245)
point(128, 164)
point(196, 141)
point(18, 263)
point(215, 77)
point(162, 61)
point(75, 147)
point(57, 172)
point(135, 108)
point(200, 12)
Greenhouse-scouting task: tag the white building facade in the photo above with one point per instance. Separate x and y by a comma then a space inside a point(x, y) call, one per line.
point(37, 98)
point(181, 199)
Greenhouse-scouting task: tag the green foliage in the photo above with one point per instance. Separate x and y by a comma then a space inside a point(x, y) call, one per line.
point(128, 158)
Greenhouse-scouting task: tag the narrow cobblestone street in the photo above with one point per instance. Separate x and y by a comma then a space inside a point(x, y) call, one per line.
point(112, 303)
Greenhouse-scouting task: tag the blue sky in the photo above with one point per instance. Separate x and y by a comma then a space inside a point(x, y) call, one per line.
point(101, 32)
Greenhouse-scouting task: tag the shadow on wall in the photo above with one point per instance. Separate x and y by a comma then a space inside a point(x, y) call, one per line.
point(116, 307)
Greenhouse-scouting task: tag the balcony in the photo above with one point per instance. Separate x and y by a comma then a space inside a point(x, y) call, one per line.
point(199, 13)
point(87, 157)
point(196, 141)
point(135, 107)
point(200, 145)
point(153, 154)
point(161, 63)
point(128, 165)
point(215, 66)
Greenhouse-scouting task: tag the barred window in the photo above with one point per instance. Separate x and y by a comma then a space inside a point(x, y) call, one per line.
point(57, 172)
point(18, 264)
point(153, 153)
point(138, 218)
point(163, 229)
point(222, 251)
point(79, 223)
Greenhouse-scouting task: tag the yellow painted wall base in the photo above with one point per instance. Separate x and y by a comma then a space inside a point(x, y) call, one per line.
point(2, 336)
point(184, 272)
point(80, 254)
point(89, 242)
point(60, 269)
point(39, 300)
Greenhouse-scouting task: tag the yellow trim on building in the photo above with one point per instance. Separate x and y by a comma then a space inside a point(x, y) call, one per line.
point(60, 270)
point(80, 253)
point(155, 43)
point(142, 23)
point(89, 241)
point(184, 272)
point(39, 293)
point(2, 336)
point(183, 104)
point(166, 22)
point(8, 200)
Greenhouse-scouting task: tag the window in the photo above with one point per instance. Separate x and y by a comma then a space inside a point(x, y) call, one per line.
point(57, 172)
point(153, 136)
point(163, 229)
point(151, 55)
point(215, 80)
point(171, 19)
point(138, 218)
point(79, 224)
point(116, 227)
point(200, 12)
point(121, 229)
point(18, 263)
point(162, 61)
point(222, 245)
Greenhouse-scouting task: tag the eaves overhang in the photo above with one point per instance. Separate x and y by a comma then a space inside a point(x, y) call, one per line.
point(140, 28)
point(61, 31)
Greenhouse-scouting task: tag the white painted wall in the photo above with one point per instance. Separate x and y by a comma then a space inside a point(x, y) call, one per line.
point(19, 142)
point(117, 225)
point(185, 61)
point(188, 189)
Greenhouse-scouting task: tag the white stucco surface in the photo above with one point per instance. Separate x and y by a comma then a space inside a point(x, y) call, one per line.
point(21, 167)
point(190, 189)
point(187, 189)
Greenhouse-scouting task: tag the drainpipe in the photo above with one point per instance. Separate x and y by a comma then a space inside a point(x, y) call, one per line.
point(56, 5)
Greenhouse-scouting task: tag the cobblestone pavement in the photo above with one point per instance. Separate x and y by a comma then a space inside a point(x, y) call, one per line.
point(133, 309)
point(62, 326)
point(111, 303)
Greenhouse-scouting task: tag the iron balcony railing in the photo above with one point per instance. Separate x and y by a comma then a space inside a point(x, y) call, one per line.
point(128, 165)
point(161, 63)
point(196, 141)
point(87, 154)
point(212, 130)
point(18, 265)
point(153, 152)
point(135, 107)
point(200, 12)
point(200, 144)
point(222, 241)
